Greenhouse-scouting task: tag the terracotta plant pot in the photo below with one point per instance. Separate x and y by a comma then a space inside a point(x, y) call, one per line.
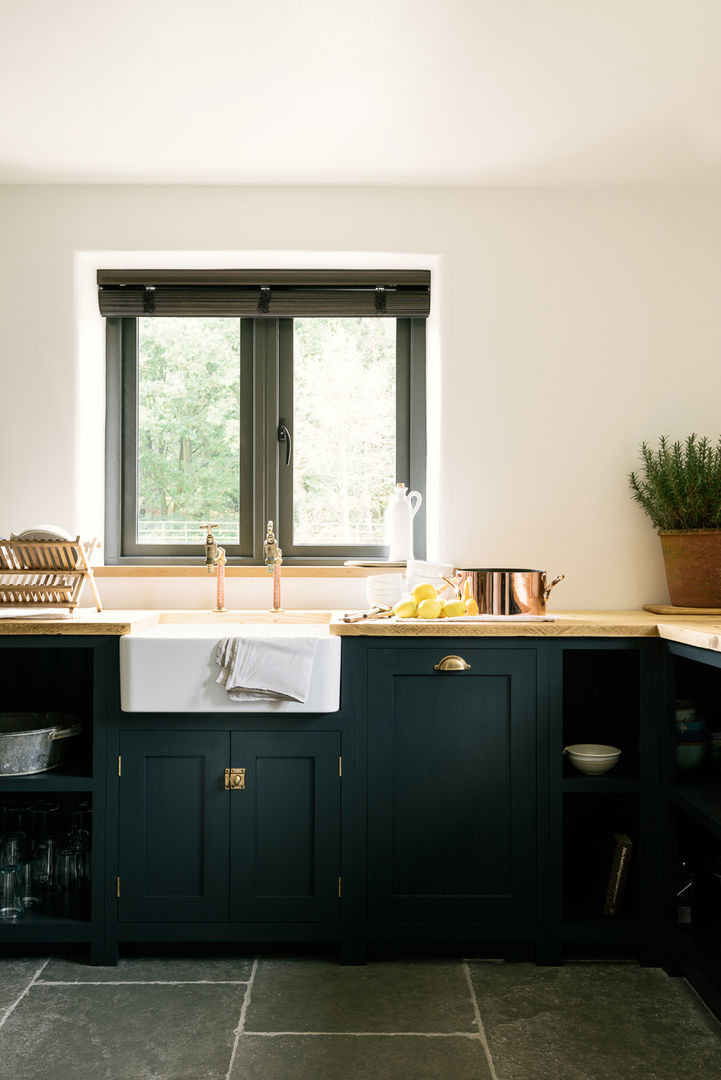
point(693, 566)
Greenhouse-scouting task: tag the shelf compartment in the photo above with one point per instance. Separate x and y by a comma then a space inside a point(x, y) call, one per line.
point(39, 928)
point(701, 801)
point(51, 680)
point(74, 778)
point(597, 785)
point(607, 931)
point(602, 703)
point(589, 823)
point(624, 777)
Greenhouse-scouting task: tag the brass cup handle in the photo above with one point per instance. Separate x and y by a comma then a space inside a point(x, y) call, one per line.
point(451, 663)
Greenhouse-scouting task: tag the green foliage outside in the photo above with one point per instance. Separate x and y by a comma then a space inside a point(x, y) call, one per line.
point(188, 421)
point(345, 429)
point(189, 430)
point(679, 486)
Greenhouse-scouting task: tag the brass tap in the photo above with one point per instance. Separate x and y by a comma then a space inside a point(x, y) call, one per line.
point(215, 561)
point(273, 560)
point(271, 551)
point(211, 548)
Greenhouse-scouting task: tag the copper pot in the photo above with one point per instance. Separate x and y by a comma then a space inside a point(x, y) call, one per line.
point(508, 592)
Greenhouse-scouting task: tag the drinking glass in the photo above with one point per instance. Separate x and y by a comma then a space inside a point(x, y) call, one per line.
point(11, 901)
point(44, 857)
point(28, 883)
point(12, 850)
point(67, 882)
point(79, 841)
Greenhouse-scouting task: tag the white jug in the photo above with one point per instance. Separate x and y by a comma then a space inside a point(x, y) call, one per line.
point(402, 507)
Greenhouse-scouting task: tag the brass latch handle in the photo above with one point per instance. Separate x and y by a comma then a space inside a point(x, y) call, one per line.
point(451, 663)
point(234, 779)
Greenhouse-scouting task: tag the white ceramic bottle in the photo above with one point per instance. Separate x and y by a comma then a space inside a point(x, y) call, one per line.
point(401, 508)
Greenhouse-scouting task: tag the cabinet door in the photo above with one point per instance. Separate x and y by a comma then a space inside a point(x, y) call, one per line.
point(173, 827)
point(285, 826)
point(451, 785)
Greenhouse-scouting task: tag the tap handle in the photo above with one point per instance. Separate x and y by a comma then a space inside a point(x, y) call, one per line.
point(270, 546)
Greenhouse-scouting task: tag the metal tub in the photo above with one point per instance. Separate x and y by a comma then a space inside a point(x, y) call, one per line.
point(33, 742)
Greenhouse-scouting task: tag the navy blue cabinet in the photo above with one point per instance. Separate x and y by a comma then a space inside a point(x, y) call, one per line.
point(285, 826)
point(693, 885)
point(227, 827)
point(68, 675)
point(173, 826)
point(451, 783)
point(455, 821)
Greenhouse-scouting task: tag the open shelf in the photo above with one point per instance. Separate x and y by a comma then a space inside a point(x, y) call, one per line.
point(589, 827)
point(622, 779)
point(601, 704)
point(31, 928)
point(70, 777)
point(697, 945)
point(700, 799)
point(51, 680)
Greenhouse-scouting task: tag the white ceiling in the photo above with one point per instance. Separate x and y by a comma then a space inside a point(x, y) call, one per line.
point(482, 92)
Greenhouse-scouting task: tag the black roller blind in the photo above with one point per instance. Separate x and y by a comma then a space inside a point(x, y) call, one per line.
point(258, 293)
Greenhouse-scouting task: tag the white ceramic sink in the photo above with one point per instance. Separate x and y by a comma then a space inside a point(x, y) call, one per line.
point(171, 667)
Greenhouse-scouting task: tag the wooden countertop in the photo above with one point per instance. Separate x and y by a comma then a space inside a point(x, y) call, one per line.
point(83, 621)
point(701, 631)
point(566, 624)
point(118, 623)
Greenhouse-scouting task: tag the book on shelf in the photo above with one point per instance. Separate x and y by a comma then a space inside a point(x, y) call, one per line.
point(619, 873)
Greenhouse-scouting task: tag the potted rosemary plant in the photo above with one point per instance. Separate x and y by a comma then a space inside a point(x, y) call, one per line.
point(679, 488)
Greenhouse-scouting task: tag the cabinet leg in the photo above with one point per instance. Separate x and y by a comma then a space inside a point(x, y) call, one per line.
point(352, 951)
point(105, 955)
point(549, 954)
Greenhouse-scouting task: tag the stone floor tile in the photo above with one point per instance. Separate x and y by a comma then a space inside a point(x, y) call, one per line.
point(15, 976)
point(594, 1022)
point(323, 996)
point(370, 1057)
point(94, 1032)
point(153, 969)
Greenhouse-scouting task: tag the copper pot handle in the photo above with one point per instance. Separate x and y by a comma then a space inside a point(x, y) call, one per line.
point(547, 588)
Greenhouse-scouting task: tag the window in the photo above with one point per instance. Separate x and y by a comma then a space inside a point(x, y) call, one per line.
point(307, 420)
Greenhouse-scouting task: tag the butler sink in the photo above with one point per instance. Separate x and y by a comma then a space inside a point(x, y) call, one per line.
point(171, 667)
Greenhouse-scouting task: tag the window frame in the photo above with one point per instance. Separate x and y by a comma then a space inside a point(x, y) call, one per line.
point(266, 347)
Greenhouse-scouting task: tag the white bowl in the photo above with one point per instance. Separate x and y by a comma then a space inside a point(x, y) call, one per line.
point(592, 758)
point(384, 589)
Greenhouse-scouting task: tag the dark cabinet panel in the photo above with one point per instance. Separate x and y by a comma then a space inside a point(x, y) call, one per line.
point(285, 826)
point(191, 850)
point(451, 786)
point(173, 827)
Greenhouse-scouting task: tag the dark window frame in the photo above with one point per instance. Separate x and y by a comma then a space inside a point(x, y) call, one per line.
point(265, 482)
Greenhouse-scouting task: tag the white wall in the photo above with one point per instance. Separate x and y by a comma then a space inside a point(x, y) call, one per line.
point(568, 326)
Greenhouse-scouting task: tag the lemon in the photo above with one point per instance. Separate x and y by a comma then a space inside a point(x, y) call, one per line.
point(454, 608)
point(424, 591)
point(430, 608)
point(405, 609)
point(471, 606)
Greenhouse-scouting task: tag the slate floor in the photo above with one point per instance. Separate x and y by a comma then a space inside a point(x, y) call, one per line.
point(311, 1019)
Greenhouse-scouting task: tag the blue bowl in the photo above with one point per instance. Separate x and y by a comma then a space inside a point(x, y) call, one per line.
point(691, 731)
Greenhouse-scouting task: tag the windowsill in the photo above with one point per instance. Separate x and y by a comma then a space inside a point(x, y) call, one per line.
point(237, 571)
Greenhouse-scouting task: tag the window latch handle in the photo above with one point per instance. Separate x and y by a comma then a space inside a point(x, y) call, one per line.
point(284, 436)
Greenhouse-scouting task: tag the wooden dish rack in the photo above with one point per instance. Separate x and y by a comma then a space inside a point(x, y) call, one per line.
point(45, 573)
